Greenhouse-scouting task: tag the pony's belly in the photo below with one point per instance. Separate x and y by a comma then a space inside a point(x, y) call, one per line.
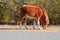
point(27, 16)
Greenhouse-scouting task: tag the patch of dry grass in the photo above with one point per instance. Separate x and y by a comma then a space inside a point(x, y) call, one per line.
point(15, 28)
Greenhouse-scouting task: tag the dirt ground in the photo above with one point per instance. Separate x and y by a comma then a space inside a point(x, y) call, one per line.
point(15, 28)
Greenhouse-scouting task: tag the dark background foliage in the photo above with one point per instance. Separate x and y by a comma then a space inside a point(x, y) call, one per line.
point(9, 10)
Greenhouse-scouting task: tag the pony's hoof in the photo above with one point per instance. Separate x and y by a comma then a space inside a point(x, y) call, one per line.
point(26, 27)
point(39, 28)
point(34, 28)
point(44, 28)
point(20, 28)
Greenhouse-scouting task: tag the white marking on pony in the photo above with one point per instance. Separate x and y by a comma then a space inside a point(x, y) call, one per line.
point(27, 16)
point(23, 5)
point(28, 5)
point(39, 24)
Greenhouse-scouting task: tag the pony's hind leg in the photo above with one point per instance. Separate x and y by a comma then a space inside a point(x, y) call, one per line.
point(21, 20)
point(20, 25)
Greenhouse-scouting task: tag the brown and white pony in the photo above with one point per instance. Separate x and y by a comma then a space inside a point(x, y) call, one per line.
point(34, 12)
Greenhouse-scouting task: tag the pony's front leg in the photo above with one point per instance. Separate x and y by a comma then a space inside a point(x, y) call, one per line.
point(26, 23)
point(38, 23)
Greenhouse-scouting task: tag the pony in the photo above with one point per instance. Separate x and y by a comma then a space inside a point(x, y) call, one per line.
point(38, 13)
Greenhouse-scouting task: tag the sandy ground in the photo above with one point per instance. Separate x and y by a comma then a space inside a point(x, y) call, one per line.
point(15, 28)
point(12, 32)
